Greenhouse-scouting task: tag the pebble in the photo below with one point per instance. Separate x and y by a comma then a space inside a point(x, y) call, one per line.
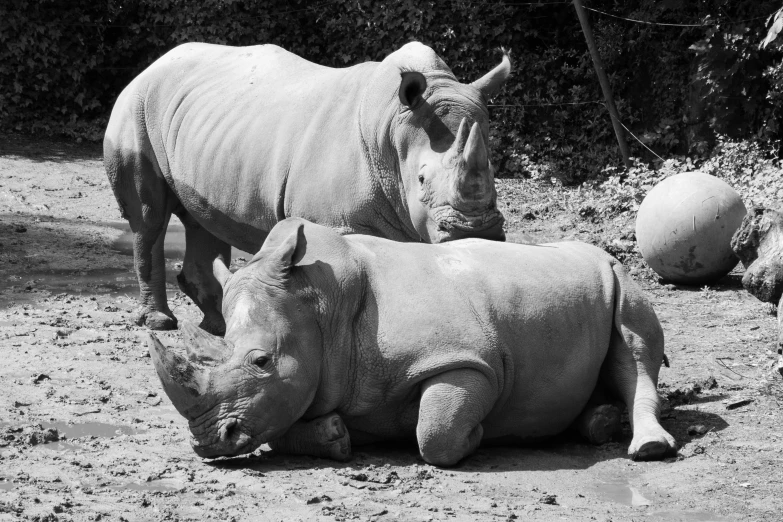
point(37, 379)
point(738, 403)
point(697, 429)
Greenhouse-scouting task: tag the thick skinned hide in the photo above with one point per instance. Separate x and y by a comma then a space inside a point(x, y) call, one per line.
point(452, 344)
point(234, 139)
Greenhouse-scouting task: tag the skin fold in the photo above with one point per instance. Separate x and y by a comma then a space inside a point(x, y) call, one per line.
point(338, 340)
point(233, 140)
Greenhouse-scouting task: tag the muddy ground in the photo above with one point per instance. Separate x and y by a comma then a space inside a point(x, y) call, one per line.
point(86, 432)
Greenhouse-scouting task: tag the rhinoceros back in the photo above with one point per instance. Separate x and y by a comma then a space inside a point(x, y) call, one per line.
point(536, 319)
point(231, 128)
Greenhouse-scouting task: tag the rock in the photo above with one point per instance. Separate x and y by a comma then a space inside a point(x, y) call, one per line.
point(548, 499)
point(738, 403)
point(684, 395)
point(697, 429)
point(37, 379)
point(757, 244)
point(709, 383)
point(34, 435)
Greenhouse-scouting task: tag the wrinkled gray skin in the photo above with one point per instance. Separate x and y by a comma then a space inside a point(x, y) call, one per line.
point(234, 139)
point(333, 340)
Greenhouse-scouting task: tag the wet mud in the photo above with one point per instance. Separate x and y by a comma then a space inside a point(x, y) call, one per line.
point(86, 432)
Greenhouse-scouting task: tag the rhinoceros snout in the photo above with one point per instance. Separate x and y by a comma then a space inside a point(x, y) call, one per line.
point(230, 438)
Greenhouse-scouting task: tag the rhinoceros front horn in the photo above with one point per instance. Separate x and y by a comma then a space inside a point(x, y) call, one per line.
point(182, 381)
point(476, 157)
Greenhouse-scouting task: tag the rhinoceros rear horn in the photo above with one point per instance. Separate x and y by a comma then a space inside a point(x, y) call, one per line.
point(182, 381)
point(461, 139)
point(476, 157)
point(203, 347)
point(490, 83)
point(412, 87)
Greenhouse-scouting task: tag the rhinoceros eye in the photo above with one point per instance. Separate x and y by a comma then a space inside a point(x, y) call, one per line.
point(261, 361)
point(421, 178)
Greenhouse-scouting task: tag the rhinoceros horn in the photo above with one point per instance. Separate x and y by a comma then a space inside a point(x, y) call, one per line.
point(202, 346)
point(182, 381)
point(457, 148)
point(491, 82)
point(476, 150)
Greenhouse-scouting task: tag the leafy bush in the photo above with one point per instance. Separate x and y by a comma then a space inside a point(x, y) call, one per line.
point(62, 65)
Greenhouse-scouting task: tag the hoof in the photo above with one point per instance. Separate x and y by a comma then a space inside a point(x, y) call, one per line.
point(652, 447)
point(333, 437)
point(156, 321)
point(602, 424)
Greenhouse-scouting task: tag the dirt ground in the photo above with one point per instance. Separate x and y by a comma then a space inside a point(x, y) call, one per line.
point(86, 432)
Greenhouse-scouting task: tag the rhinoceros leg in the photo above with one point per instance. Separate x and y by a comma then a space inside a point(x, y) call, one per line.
point(325, 437)
point(451, 409)
point(146, 201)
point(631, 369)
point(196, 278)
point(599, 423)
point(150, 267)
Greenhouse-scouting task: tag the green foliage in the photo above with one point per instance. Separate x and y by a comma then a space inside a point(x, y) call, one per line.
point(62, 65)
point(736, 72)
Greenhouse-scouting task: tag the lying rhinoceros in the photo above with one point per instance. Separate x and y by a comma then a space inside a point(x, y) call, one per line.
point(337, 339)
point(234, 139)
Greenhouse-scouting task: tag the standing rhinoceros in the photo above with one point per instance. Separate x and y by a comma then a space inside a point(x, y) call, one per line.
point(234, 139)
point(337, 339)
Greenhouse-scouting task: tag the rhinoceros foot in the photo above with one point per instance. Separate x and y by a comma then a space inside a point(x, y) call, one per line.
point(653, 445)
point(334, 437)
point(156, 320)
point(599, 424)
point(325, 437)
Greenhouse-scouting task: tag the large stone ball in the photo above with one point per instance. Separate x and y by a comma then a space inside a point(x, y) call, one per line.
point(684, 228)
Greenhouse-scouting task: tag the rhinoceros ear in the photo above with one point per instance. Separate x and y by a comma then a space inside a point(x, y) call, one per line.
point(490, 83)
point(284, 248)
point(412, 87)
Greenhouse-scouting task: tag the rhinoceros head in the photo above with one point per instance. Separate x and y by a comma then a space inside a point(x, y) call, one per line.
point(440, 131)
point(248, 388)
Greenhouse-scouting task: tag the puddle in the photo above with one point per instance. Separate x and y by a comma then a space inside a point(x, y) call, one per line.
point(90, 429)
point(154, 485)
point(83, 429)
point(112, 282)
point(6, 484)
point(108, 282)
point(688, 516)
point(618, 490)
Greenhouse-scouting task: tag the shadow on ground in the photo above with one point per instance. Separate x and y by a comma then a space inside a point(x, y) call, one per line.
point(48, 149)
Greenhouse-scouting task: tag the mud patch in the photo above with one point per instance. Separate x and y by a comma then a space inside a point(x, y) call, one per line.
point(152, 486)
point(618, 489)
point(90, 429)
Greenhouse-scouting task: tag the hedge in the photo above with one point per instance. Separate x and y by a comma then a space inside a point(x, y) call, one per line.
point(63, 63)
